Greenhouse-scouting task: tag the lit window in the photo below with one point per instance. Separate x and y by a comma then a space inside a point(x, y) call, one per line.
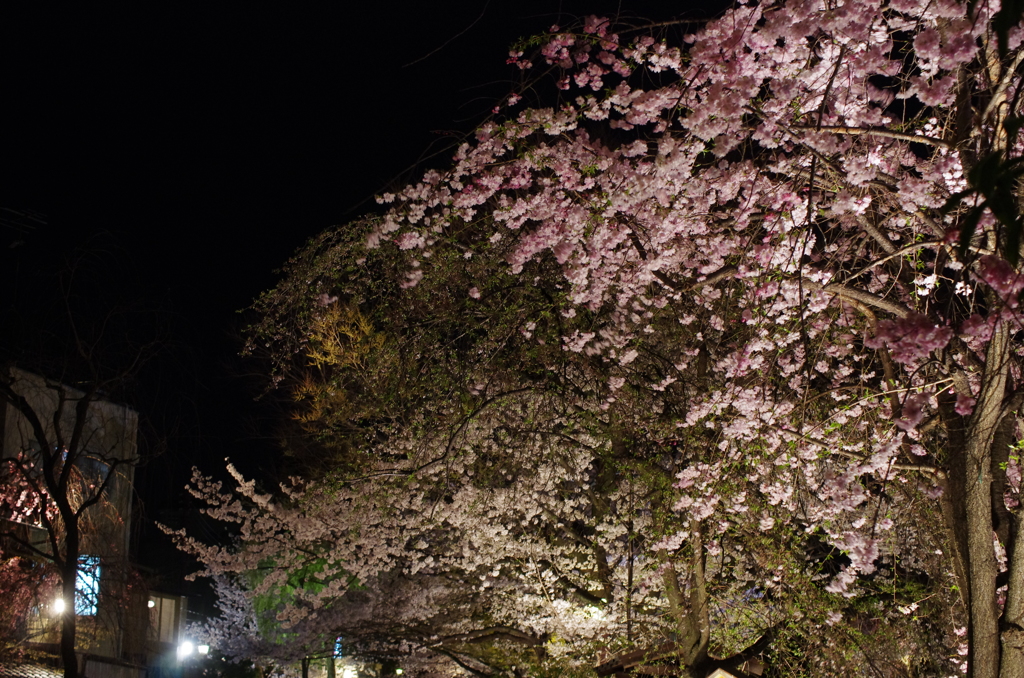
point(87, 586)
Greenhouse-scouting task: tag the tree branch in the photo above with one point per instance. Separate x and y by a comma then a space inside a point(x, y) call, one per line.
point(859, 295)
point(878, 132)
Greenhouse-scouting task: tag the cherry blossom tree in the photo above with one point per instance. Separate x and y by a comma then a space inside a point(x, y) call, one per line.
point(556, 498)
point(788, 242)
point(26, 584)
point(497, 481)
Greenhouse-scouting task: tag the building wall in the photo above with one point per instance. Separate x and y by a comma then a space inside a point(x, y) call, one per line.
point(109, 434)
point(109, 448)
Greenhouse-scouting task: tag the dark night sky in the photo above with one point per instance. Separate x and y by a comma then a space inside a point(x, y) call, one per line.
point(211, 140)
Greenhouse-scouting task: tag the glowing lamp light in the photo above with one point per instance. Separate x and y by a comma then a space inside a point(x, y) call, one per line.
point(398, 672)
point(58, 606)
point(203, 649)
point(152, 603)
point(185, 649)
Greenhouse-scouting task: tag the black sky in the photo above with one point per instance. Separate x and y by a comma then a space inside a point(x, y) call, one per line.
point(211, 140)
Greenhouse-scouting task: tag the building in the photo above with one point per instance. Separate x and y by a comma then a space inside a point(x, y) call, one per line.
point(111, 601)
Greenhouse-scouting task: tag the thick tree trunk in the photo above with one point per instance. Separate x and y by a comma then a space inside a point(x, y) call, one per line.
point(68, 626)
point(699, 612)
point(982, 569)
point(68, 631)
point(953, 501)
point(690, 613)
point(69, 577)
point(1012, 636)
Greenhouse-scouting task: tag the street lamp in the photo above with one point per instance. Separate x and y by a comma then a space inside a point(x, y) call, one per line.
point(58, 606)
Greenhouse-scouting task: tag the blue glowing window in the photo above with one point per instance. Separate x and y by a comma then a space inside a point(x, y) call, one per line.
point(87, 586)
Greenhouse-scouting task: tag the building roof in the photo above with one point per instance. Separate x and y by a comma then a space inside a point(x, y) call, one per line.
point(28, 670)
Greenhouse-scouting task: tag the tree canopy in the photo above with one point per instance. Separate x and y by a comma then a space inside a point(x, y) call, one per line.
point(720, 351)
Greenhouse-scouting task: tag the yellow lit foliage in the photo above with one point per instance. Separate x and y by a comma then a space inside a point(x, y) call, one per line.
point(342, 337)
point(340, 349)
